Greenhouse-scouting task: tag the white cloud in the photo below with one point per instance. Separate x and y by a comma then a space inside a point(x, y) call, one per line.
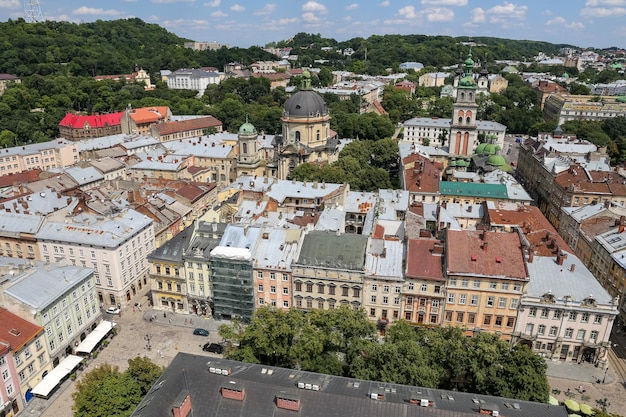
point(313, 6)
point(96, 12)
point(547, 13)
point(575, 25)
point(219, 13)
point(352, 6)
point(438, 14)
point(559, 20)
point(237, 8)
point(506, 12)
point(445, 2)
point(407, 12)
point(288, 21)
point(10, 4)
point(478, 16)
point(384, 3)
point(267, 9)
point(602, 11)
point(309, 17)
point(213, 3)
point(597, 3)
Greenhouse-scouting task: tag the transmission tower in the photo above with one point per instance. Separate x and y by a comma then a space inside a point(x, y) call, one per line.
point(33, 11)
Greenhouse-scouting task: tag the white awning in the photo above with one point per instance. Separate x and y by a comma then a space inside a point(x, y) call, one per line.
point(55, 376)
point(93, 338)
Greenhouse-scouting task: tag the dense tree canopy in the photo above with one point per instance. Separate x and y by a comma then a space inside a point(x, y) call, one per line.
point(107, 392)
point(343, 342)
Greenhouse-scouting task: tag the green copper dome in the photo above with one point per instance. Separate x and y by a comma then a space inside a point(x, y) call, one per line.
point(621, 99)
point(247, 129)
point(480, 149)
point(496, 160)
point(467, 81)
point(491, 148)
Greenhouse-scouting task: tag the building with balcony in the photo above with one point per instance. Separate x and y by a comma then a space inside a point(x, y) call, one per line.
point(423, 290)
point(329, 271)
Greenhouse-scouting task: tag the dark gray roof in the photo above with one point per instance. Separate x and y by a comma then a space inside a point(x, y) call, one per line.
point(305, 104)
point(172, 250)
point(337, 396)
point(330, 250)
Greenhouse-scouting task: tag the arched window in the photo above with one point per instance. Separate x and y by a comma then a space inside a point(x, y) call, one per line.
point(297, 136)
point(460, 120)
point(461, 114)
point(468, 120)
point(244, 148)
point(318, 135)
point(462, 95)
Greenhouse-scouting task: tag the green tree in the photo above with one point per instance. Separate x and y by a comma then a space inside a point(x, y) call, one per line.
point(106, 392)
point(144, 372)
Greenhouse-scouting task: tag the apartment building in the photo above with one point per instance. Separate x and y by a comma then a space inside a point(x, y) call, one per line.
point(140, 121)
point(116, 247)
point(192, 79)
point(185, 129)
point(77, 127)
point(329, 271)
point(17, 235)
point(58, 153)
point(486, 276)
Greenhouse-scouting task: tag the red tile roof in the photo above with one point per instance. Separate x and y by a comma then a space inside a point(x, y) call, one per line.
point(78, 121)
point(535, 227)
point(421, 174)
point(16, 331)
point(191, 192)
point(482, 253)
point(595, 182)
point(422, 261)
point(149, 114)
point(20, 178)
point(187, 125)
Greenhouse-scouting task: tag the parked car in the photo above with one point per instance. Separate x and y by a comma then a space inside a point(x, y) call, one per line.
point(213, 348)
point(201, 332)
point(113, 310)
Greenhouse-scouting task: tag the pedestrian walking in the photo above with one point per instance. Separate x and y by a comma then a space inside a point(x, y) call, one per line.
point(164, 315)
point(170, 320)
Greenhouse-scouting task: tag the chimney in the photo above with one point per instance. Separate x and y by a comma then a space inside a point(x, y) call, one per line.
point(182, 408)
point(233, 392)
point(288, 402)
point(620, 229)
point(572, 267)
point(560, 257)
point(438, 248)
point(485, 246)
point(531, 257)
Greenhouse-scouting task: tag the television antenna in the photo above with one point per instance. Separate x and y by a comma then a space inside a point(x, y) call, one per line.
point(32, 11)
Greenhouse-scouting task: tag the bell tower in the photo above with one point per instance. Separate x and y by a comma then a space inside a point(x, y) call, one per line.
point(463, 131)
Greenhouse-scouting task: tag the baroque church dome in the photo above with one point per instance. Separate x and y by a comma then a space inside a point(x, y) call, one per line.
point(306, 103)
point(247, 129)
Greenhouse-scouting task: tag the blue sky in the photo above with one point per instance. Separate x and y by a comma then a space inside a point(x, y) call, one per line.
point(596, 23)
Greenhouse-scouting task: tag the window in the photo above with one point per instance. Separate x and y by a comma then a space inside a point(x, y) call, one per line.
point(572, 316)
point(568, 333)
point(331, 289)
point(435, 303)
point(517, 287)
point(272, 276)
point(259, 274)
point(424, 288)
point(285, 277)
point(499, 320)
point(356, 292)
point(487, 319)
point(510, 321)
point(505, 286)
point(462, 298)
point(273, 289)
point(21, 375)
point(309, 287)
point(491, 301)
point(385, 288)
point(493, 285)
point(385, 300)
point(465, 282)
point(529, 328)
point(373, 299)
point(374, 287)
point(452, 282)
point(344, 291)
point(448, 316)
point(585, 318)
point(320, 288)
point(451, 298)
point(459, 317)
point(580, 335)
point(544, 313)
point(557, 314)
point(286, 304)
point(298, 286)
point(397, 290)
point(27, 353)
point(532, 312)
point(5, 374)
point(593, 336)
point(541, 330)
point(285, 291)
point(471, 318)
point(597, 319)
point(513, 304)
point(396, 301)
point(474, 300)
point(412, 286)
point(260, 287)
point(553, 331)
point(476, 283)
point(501, 302)
point(261, 301)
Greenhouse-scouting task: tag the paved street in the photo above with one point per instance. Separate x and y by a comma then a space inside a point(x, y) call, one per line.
point(168, 336)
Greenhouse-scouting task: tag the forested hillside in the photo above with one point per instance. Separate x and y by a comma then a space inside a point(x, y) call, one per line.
point(103, 48)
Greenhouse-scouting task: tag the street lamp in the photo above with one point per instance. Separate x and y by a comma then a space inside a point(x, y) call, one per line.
point(147, 339)
point(605, 372)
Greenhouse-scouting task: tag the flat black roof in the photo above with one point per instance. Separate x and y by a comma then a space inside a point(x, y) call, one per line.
point(203, 376)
